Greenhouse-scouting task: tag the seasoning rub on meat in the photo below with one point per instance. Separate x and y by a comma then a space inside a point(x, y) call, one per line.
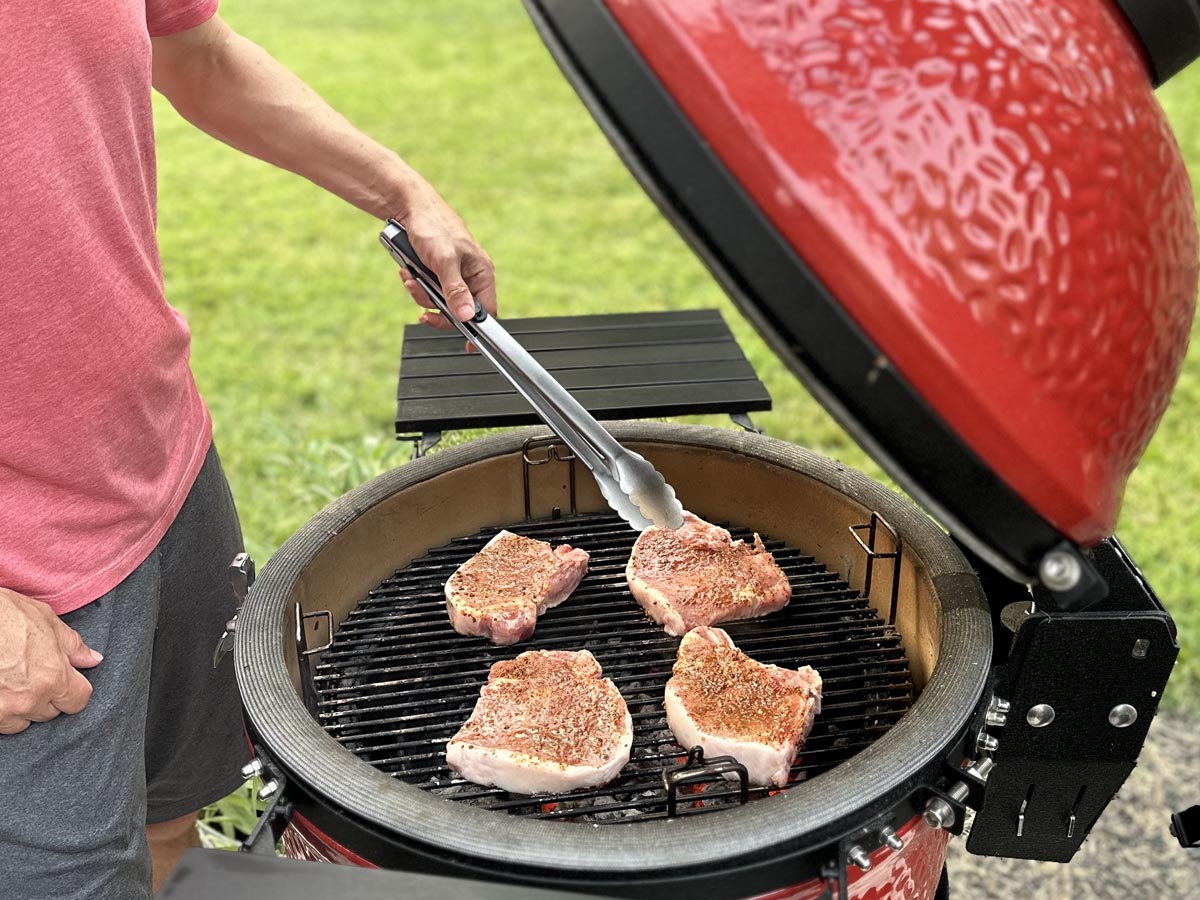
point(545, 722)
point(500, 591)
point(699, 575)
point(729, 704)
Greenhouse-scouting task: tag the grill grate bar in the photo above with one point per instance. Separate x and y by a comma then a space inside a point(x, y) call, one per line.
point(616, 625)
point(397, 682)
point(458, 694)
point(601, 586)
point(439, 716)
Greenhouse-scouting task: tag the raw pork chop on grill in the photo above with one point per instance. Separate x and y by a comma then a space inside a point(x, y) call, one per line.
point(546, 722)
point(699, 575)
point(500, 591)
point(729, 704)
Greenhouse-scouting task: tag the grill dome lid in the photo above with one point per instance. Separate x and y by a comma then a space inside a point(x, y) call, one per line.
point(966, 226)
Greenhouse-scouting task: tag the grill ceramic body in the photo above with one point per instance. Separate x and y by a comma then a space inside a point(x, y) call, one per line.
point(911, 873)
point(989, 189)
point(762, 847)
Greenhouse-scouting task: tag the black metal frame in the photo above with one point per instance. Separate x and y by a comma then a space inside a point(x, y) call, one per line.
point(1051, 782)
point(790, 307)
point(764, 845)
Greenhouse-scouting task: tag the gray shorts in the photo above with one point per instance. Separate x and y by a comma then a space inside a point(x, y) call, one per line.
point(162, 734)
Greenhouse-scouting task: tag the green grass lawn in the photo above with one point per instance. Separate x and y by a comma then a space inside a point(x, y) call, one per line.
point(297, 314)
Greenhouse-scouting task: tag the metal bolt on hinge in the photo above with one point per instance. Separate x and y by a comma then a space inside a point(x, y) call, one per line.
point(252, 769)
point(888, 836)
point(859, 857)
point(997, 713)
point(268, 789)
point(981, 768)
point(1059, 570)
point(940, 814)
point(985, 743)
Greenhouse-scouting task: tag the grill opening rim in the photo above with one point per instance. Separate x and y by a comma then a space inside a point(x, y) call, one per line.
point(337, 779)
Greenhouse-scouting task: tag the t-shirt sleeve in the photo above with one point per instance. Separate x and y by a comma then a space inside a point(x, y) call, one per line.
point(164, 17)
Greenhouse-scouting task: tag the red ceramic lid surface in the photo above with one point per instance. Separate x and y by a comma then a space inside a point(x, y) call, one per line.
point(990, 190)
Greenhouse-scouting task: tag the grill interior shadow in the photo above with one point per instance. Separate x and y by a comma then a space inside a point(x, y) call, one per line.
point(398, 681)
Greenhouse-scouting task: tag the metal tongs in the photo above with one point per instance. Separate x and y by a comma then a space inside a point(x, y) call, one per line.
point(633, 488)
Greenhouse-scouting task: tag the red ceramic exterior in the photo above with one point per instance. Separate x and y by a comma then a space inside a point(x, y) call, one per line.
point(990, 189)
point(304, 840)
point(911, 873)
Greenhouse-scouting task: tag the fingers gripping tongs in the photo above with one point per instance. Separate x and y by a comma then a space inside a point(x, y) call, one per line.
point(632, 487)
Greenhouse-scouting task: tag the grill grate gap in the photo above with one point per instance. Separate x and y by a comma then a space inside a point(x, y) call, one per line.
point(397, 682)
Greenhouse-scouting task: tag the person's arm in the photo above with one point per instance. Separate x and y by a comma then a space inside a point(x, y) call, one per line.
point(235, 91)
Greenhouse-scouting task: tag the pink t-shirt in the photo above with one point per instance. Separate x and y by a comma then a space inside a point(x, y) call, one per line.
point(102, 431)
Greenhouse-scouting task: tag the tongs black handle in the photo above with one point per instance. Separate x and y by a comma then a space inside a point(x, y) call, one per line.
point(424, 275)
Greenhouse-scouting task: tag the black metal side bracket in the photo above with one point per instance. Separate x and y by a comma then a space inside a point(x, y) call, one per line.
point(896, 555)
point(1083, 688)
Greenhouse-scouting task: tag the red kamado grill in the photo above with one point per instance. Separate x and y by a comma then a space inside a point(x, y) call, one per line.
point(966, 227)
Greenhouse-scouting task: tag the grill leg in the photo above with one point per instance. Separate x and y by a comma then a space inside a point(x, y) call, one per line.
point(943, 888)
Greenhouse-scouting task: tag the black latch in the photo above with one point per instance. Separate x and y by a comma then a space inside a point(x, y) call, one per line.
point(1185, 827)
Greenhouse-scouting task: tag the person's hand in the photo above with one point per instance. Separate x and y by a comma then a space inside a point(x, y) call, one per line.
point(40, 659)
point(446, 246)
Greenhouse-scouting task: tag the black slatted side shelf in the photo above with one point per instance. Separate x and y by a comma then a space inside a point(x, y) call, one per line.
point(398, 681)
point(631, 365)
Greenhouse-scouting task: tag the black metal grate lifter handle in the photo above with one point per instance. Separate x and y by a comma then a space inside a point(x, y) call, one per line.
point(398, 681)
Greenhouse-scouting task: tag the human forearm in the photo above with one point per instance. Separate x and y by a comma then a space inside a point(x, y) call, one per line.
point(235, 91)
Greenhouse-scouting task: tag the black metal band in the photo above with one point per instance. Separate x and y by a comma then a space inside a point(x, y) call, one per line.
point(1169, 31)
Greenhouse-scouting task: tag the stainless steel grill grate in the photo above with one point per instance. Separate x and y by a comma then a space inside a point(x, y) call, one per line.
point(397, 681)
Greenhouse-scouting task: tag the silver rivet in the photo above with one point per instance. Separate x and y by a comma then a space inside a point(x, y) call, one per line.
point(252, 768)
point(888, 836)
point(1122, 715)
point(268, 789)
point(1040, 716)
point(859, 857)
point(985, 743)
point(1059, 570)
point(997, 712)
point(1140, 646)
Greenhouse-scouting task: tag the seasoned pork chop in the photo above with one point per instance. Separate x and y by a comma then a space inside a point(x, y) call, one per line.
point(699, 575)
point(730, 705)
point(500, 591)
point(545, 722)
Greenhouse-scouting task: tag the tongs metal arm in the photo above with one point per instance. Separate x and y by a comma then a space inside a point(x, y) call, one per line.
point(631, 485)
point(563, 413)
